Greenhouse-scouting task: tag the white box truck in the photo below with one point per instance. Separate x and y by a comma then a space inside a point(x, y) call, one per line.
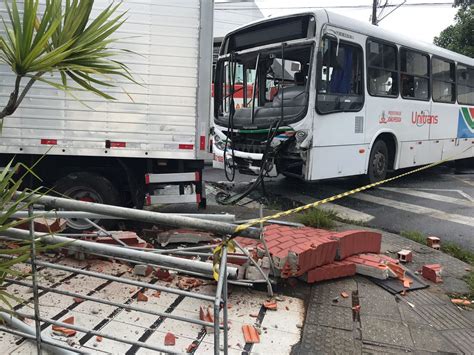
point(125, 151)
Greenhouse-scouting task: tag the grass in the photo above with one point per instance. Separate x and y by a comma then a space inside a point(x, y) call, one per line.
point(318, 218)
point(451, 249)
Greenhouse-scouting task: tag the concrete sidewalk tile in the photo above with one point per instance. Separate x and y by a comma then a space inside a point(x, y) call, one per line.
point(326, 291)
point(327, 340)
point(377, 330)
point(329, 316)
point(463, 339)
point(426, 338)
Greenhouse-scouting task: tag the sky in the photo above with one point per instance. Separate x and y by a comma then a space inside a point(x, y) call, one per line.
point(418, 19)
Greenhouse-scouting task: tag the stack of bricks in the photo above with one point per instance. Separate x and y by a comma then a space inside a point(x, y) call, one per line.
point(315, 254)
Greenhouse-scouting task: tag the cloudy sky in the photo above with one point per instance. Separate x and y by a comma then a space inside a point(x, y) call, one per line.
point(420, 19)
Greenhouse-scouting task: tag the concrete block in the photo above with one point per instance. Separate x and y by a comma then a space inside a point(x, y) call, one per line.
point(405, 256)
point(432, 272)
point(142, 270)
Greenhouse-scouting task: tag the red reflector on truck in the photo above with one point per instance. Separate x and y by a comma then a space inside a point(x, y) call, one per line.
point(202, 143)
point(186, 146)
point(49, 141)
point(118, 144)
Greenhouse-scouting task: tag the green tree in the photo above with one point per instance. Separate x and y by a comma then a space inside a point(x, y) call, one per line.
point(459, 37)
point(63, 39)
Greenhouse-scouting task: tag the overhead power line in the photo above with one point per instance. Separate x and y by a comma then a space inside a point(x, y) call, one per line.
point(367, 6)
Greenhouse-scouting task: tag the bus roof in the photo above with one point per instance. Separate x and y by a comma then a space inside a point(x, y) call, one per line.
point(369, 30)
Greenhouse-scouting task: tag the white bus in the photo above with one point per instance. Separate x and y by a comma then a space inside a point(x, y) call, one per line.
point(357, 99)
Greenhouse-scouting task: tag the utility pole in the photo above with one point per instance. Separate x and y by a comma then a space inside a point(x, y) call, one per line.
point(374, 12)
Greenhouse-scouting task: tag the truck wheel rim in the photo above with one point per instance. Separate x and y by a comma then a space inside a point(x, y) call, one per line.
point(85, 194)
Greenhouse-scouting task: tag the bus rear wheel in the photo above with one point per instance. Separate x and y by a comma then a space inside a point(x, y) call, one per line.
point(88, 187)
point(378, 162)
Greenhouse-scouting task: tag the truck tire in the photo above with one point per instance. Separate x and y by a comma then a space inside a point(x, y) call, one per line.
point(378, 162)
point(90, 187)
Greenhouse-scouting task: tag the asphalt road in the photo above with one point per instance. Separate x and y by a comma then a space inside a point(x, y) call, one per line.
point(437, 202)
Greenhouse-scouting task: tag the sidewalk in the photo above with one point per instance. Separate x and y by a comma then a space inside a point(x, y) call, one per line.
point(423, 321)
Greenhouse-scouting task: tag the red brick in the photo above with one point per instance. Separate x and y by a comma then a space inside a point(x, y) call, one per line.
point(357, 242)
point(432, 272)
point(331, 271)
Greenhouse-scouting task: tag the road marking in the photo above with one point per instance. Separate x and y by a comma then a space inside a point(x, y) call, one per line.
point(342, 212)
point(416, 193)
point(408, 207)
point(464, 181)
point(462, 193)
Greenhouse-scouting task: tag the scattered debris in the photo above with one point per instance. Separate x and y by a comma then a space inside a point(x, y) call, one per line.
point(177, 236)
point(432, 272)
point(344, 295)
point(156, 294)
point(205, 314)
point(46, 225)
point(405, 256)
point(142, 270)
point(99, 338)
point(170, 339)
point(59, 330)
point(251, 334)
point(433, 242)
point(141, 297)
point(192, 347)
point(163, 275)
point(188, 283)
point(270, 305)
point(78, 300)
point(460, 302)
point(129, 238)
point(254, 315)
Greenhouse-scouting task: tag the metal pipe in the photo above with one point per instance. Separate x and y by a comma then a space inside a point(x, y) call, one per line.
point(126, 281)
point(218, 300)
point(226, 217)
point(120, 252)
point(143, 216)
point(34, 280)
point(115, 304)
point(93, 332)
point(30, 333)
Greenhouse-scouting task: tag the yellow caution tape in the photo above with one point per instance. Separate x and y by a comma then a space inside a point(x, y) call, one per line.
point(231, 245)
point(254, 222)
point(216, 262)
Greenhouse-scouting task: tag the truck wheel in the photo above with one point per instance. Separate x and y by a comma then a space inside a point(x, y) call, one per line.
point(378, 162)
point(89, 187)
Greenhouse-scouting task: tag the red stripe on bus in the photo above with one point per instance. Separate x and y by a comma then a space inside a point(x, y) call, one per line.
point(186, 146)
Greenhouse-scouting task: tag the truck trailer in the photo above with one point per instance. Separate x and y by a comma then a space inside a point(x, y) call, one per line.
point(146, 147)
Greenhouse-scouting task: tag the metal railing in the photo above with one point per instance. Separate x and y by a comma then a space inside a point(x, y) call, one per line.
point(163, 258)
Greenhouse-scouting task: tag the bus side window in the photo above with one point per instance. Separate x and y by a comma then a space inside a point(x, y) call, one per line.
point(382, 72)
point(340, 84)
point(465, 85)
point(443, 74)
point(415, 75)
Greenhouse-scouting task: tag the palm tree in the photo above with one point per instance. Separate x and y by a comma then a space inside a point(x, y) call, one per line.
point(63, 39)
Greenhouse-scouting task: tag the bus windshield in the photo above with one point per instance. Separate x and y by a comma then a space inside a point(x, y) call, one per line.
point(252, 88)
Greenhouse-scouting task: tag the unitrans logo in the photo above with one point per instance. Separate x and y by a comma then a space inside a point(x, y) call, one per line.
point(423, 118)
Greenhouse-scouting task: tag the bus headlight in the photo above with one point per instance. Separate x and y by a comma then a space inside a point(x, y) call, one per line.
point(301, 136)
point(219, 142)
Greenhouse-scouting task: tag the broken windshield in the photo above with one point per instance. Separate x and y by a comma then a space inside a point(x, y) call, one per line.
point(253, 87)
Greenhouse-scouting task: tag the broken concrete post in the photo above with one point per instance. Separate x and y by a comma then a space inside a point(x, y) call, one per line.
point(405, 256)
point(432, 272)
point(433, 242)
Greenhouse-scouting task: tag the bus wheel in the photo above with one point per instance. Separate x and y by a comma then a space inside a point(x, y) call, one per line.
point(378, 162)
point(88, 187)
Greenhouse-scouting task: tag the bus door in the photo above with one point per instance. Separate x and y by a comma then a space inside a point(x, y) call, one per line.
point(415, 94)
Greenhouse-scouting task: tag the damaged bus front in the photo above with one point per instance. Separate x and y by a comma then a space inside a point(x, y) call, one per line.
point(262, 98)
